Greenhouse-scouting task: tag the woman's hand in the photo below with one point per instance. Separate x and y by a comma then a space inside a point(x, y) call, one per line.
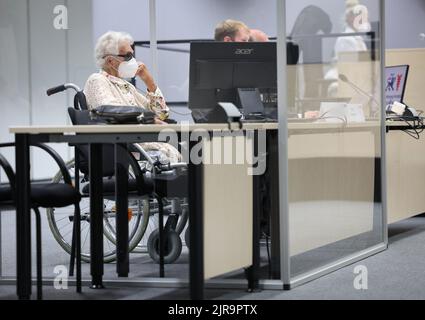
point(146, 76)
point(158, 121)
point(312, 115)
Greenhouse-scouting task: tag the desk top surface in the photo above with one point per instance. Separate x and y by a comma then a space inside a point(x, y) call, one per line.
point(138, 128)
point(187, 128)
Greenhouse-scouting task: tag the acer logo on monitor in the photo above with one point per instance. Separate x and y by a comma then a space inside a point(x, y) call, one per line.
point(244, 51)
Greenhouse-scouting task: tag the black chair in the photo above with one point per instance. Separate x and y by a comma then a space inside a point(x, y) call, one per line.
point(45, 195)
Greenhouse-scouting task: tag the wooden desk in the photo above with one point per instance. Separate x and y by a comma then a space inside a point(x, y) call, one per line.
point(405, 173)
point(312, 134)
point(206, 191)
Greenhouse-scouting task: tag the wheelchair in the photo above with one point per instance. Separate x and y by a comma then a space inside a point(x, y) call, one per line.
point(143, 211)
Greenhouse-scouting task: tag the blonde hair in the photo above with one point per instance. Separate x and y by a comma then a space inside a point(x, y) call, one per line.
point(228, 28)
point(350, 5)
point(109, 43)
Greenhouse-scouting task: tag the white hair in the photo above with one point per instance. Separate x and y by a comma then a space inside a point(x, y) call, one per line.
point(351, 5)
point(109, 43)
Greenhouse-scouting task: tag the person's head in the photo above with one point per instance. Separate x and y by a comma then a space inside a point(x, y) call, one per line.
point(114, 54)
point(258, 36)
point(232, 31)
point(357, 16)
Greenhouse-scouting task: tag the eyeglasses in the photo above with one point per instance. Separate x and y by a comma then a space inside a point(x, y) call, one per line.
point(127, 57)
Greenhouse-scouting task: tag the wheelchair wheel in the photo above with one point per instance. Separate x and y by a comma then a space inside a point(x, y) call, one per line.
point(153, 225)
point(61, 222)
point(172, 247)
point(187, 237)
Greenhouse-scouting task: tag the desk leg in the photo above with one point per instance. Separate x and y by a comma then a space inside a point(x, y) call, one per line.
point(96, 216)
point(78, 222)
point(253, 272)
point(273, 180)
point(23, 217)
point(377, 211)
point(196, 230)
point(121, 194)
point(377, 194)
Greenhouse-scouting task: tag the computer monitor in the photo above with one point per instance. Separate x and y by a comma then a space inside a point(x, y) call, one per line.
point(221, 71)
point(395, 83)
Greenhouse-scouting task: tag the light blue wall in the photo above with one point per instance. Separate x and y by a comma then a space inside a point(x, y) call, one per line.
point(405, 20)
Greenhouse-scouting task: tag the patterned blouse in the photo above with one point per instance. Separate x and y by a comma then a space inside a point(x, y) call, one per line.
point(104, 89)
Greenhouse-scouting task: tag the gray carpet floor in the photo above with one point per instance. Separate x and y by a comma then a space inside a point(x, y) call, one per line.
point(397, 273)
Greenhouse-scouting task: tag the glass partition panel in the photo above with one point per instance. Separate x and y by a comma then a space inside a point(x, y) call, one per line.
point(334, 134)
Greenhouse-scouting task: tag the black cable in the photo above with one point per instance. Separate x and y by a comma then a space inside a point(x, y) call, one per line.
point(323, 117)
point(416, 126)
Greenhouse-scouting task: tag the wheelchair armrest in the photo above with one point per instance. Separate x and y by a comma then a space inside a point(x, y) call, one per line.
point(172, 166)
point(137, 148)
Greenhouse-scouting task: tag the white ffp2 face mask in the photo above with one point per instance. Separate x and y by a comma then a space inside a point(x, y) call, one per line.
point(128, 69)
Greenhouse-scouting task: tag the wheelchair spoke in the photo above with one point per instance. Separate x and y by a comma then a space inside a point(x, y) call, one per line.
point(61, 219)
point(85, 238)
point(141, 222)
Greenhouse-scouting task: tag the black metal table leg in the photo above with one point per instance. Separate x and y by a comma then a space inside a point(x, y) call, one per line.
point(121, 194)
point(96, 216)
point(196, 249)
point(161, 240)
point(23, 217)
point(253, 272)
point(273, 187)
point(77, 217)
point(377, 192)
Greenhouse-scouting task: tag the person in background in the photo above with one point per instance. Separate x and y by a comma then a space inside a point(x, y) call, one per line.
point(257, 35)
point(311, 22)
point(349, 43)
point(232, 31)
point(353, 24)
point(115, 58)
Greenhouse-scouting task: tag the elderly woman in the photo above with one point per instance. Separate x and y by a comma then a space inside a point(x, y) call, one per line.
point(115, 57)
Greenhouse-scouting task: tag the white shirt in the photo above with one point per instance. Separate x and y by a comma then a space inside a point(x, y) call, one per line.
point(104, 89)
point(349, 43)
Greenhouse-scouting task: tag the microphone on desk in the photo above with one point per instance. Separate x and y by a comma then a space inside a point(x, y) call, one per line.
point(344, 78)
